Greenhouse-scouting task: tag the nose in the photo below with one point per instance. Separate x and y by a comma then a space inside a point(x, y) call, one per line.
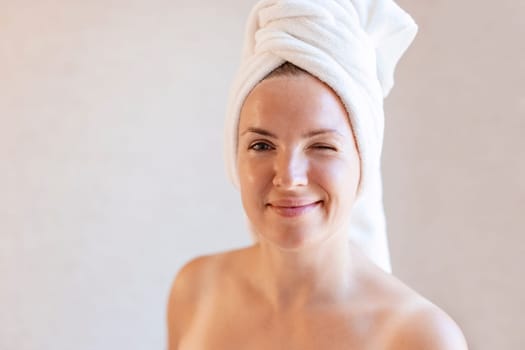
point(290, 170)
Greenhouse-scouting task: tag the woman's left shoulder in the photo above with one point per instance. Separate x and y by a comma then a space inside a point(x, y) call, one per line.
point(423, 325)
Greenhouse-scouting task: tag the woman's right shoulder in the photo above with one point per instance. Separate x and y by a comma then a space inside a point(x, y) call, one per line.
point(186, 290)
point(197, 281)
point(203, 270)
point(191, 277)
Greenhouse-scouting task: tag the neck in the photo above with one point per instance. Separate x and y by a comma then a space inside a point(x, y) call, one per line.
point(314, 275)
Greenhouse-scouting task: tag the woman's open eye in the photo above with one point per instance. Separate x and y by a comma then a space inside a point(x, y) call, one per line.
point(261, 146)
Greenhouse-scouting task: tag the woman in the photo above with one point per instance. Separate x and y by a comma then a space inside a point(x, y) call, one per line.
point(304, 145)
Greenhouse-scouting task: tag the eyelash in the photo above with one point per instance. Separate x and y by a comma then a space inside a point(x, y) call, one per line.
point(325, 147)
point(254, 147)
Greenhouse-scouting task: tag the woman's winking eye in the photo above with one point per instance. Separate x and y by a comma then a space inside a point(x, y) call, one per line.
point(323, 146)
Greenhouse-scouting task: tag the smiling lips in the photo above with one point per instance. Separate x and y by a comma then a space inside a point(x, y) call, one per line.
point(292, 208)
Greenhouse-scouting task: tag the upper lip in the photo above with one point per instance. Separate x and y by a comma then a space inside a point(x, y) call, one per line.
point(292, 202)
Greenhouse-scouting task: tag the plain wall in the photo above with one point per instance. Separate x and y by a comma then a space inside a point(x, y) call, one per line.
point(454, 166)
point(111, 117)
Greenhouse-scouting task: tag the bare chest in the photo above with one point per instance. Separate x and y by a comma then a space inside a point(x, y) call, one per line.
point(251, 327)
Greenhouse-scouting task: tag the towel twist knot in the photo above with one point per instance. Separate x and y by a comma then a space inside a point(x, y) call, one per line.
point(327, 31)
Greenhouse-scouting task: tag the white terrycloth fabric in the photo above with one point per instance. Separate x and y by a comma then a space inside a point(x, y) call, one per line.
point(351, 45)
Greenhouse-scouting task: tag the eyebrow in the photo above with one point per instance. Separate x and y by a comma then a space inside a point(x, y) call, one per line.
point(306, 135)
point(259, 131)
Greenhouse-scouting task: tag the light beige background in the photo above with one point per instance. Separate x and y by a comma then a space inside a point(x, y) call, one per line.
point(111, 167)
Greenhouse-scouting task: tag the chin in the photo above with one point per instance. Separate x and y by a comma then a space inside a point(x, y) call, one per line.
point(291, 239)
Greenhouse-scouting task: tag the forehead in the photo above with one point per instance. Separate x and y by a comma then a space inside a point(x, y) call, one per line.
point(293, 104)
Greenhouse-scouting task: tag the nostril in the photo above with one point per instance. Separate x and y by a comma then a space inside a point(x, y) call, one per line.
point(289, 179)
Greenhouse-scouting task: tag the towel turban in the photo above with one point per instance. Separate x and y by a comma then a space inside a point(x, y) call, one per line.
point(351, 45)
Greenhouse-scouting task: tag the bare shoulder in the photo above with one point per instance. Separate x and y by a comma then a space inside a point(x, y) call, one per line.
point(188, 280)
point(412, 321)
point(192, 281)
point(183, 298)
point(423, 325)
point(194, 275)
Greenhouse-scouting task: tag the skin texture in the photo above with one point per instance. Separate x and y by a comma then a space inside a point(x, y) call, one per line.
point(303, 285)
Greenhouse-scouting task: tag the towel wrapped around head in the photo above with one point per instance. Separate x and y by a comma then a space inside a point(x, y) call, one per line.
point(351, 45)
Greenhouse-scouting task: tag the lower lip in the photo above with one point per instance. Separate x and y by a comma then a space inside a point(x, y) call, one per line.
point(290, 212)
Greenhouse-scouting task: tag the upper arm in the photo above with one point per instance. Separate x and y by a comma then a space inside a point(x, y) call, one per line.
point(182, 300)
point(427, 328)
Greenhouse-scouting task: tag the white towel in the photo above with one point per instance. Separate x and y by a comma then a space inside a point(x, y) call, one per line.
point(351, 45)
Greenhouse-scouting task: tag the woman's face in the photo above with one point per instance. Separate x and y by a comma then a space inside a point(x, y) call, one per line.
point(297, 160)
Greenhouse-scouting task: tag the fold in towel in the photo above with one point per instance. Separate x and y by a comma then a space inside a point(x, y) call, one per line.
point(351, 45)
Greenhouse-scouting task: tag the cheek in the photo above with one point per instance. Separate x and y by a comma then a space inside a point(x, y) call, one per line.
point(340, 177)
point(255, 177)
point(250, 171)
